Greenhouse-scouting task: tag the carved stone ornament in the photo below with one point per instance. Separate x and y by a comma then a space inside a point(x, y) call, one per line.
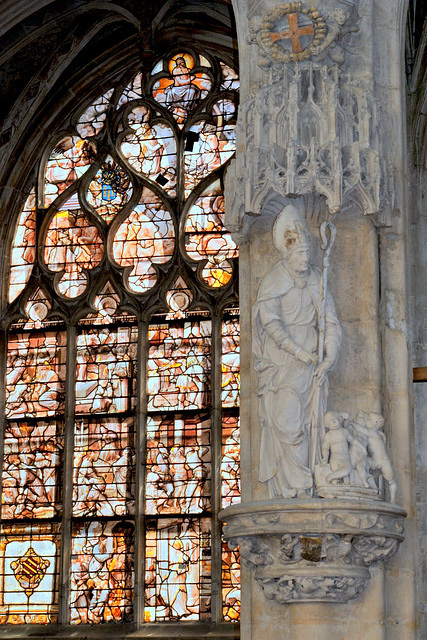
point(294, 31)
point(312, 124)
point(305, 29)
point(314, 550)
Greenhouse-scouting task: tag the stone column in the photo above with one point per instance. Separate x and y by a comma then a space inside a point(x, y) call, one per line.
point(320, 135)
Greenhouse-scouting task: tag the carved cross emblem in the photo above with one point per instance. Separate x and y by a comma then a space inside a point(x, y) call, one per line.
point(294, 33)
point(307, 29)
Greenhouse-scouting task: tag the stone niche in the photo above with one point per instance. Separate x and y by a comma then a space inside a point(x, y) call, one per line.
point(327, 549)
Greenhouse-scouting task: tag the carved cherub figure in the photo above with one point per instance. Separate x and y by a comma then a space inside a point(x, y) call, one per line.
point(379, 459)
point(337, 29)
point(335, 447)
point(358, 448)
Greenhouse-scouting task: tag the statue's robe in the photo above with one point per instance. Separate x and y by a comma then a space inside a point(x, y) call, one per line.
point(285, 319)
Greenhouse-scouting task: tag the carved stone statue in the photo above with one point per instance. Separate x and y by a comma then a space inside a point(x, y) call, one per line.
point(292, 385)
point(354, 458)
point(379, 460)
point(335, 447)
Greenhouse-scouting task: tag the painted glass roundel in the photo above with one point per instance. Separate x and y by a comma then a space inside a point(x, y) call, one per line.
point(123, 306)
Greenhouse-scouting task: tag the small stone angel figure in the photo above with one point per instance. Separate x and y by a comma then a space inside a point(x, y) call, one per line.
point(331, 46)
point(335, 447)
point(378, 460)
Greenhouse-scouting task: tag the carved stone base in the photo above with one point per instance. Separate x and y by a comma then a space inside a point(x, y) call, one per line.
point(351, 492)
point(314, 550)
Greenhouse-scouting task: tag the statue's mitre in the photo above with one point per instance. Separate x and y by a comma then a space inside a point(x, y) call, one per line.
point(290, 230)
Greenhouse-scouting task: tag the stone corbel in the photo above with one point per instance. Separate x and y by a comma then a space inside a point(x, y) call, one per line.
point(313, 550)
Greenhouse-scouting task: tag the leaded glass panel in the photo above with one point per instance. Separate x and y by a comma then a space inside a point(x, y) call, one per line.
point(178, 570)
point(32, 469)
point(179, 366)
point(178, 464)
point(104, 467)
point(102, 572)
point(35, 374)
point(29, 574)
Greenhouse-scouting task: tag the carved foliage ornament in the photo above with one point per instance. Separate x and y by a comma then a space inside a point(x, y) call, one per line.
point(292, 32)
point(313, 551)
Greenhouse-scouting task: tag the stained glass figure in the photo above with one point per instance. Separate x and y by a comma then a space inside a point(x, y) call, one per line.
point(230, 363)
point(105, 378)
point(178, 299)
point(91, 122)
point(68, 161)
point(23, 248)
point(37, 308)
point(230, 461)
point(144, 238)
point(178, 570)
point(132, 91)
point(178, 374)
point(230, 584)
point(209, 144)
point(102, 572)
point(182, 89)
point(151, 149)
point(35, 374)
point(178, 464)
point(109, 190)
point(103, 468)
point(230, 78)
point(206, 237)
point(73, 245)
point(28, 574)
point(31, 469)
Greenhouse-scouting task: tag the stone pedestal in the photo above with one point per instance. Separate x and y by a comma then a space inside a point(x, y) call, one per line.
point(314, 550)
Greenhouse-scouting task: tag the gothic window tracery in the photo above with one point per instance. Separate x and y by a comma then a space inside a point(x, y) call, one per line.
point(121, 426)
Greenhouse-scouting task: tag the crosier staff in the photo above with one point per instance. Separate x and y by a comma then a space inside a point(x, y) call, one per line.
point(328, 232)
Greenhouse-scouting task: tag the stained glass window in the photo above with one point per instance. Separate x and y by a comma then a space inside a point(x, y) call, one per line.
point(121, 426)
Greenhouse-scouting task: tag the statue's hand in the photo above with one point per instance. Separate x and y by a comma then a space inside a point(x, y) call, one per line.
point(307, 357)
point(321, 371)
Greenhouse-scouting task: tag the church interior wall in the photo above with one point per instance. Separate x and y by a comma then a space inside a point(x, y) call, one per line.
point(382, 305)
point(417, 238)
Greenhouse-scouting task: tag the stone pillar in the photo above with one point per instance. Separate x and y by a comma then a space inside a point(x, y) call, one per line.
point(320, 149)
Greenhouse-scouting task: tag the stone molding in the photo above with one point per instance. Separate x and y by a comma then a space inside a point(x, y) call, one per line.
point(313, 550)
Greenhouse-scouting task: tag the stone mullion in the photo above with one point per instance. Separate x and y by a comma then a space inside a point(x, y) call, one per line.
point(216, 433)
point(140, 471)
point(68, 467)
